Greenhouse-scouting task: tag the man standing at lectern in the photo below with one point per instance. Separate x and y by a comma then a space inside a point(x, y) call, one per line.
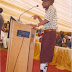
point(49, 37)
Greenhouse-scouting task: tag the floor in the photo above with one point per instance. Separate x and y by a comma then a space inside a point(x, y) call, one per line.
point(36, 64)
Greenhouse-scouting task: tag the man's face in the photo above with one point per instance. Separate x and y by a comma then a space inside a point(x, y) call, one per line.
point(59, 36)
point(46, 4)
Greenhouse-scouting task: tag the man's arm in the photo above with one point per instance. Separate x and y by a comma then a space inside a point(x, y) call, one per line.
point(37, 17)
point(40, 20)
point(43, 22)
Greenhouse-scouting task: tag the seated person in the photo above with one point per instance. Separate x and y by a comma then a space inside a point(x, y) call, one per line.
point(62, 34)
point(58, 40)
point(4, 33)
point(64, 41)
point(68, 44)
point(4, 28)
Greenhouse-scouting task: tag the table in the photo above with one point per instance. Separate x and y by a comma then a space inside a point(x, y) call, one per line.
point(62, 57)
point(37, 50)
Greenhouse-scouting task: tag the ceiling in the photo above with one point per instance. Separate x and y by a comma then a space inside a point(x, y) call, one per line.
point(16, 7)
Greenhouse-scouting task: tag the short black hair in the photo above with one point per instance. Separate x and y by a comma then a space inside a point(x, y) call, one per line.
point(1, 10)
point(52, 1)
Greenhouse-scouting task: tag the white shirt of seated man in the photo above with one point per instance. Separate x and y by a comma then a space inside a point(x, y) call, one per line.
point(4, 38)
point(63, 40)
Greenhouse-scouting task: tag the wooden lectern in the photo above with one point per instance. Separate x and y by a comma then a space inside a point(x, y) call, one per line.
point(21, 47)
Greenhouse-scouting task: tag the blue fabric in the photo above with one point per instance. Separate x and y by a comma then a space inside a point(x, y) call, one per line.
point(40, 31)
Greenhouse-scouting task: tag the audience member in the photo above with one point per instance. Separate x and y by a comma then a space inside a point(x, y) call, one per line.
point(61, 39)
point(64, 41)
point(69, 35)
point(8, 26)
point(58, 40)
point(4, 27)
point(68, 44)
point(4, 34)
point(62, 34)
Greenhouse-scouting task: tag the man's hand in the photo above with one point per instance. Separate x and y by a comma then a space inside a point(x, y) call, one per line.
point(35, 17)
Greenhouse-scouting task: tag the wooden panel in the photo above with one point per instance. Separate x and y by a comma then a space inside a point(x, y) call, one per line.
point(31, 50)
point(9, 46)
point(18, 26)
point(20, 52)
point(22, 60)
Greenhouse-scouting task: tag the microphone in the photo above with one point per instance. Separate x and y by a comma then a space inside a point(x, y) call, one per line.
point(27, 11)
point(37, 5)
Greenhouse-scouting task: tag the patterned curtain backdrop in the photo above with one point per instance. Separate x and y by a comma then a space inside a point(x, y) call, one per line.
point(16, 7)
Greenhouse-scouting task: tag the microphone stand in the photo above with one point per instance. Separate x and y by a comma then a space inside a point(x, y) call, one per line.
point(26, 11)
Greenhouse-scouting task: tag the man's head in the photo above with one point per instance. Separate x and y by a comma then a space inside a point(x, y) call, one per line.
point(1, 10)
point(58, 36)
point(61, 32)
point(47, 3)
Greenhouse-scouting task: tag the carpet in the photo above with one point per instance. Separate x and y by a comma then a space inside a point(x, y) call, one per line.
point(36, 64)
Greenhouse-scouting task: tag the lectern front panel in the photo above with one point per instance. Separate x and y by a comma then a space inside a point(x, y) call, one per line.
point(20, 50)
